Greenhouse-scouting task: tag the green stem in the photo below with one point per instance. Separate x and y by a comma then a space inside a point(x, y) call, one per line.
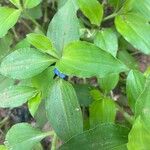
point(54, 142)
point(110, 16)
point(128, 117)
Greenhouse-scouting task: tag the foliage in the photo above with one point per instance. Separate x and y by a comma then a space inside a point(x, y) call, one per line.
point(85, 39)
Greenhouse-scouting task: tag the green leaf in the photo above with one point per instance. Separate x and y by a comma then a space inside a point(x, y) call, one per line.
point(134, 86)
point(31, 3)
point(41, 42)
point(103, 38)
point(38, 147)
point(143, 101)
point(5, 44)
point(129, 26)
point(25, 63)
point(44, 81)
point(2, 147)
point(23, 136)
point(5, 82)
point(15, 96)
point(107, 84)
point(139, 136)
point(102, 111)
point(144, 8)
point(128, 59)
point(83, 59)
point(16, 3)
point(92, 9)
point(34, 103)
point(22, 44)
point(8, 19)
point(103, 137)
point(63, 110)
point(83, 94)
point(66, 31)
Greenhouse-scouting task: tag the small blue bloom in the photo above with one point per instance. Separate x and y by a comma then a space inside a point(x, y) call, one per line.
point(59, 74)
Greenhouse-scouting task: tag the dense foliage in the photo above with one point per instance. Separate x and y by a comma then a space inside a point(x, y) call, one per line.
point(69, 70)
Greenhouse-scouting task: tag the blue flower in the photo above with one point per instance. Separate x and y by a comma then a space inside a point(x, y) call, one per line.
point(59, 74)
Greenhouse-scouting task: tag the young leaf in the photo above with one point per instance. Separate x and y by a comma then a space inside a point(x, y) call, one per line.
point(135, 85)
point(34, 103)
point(31, 3)
point(139, 136)
point(107, 84)
point(41, 42)
point(25, 63)
point(107, 40)
point(16, 3)
point(22, 44)
point(63, 110)
point(104, 137)
point(15, 96)
point(129, 26)
point(8, 19)
point(84, 59)
point(92, 9)
point(23, 136)
point(66, 31)
point(102, 111)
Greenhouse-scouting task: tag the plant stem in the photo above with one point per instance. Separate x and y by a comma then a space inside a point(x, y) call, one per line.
point(110, 16)
point(128, 117)
point(27, 26)
point(15, 34)
point(32, 19)
point(4, 121)
point(54, 142)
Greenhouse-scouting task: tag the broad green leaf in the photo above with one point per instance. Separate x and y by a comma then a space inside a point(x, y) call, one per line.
point(23, 136)
point(83, 59)
point(135, 31)
point(8, 19)
point(16, 3)
point(35, 12)
point(102, 111)
point(31, 3)
point(5, 82)
point(66, 31)
point(139, 136)
point(103, 137)
point(16, 96)
point(83, 94)
point(144, 8)
point(134, 86)
point(92, 9)
point(96, 94)
point(22, 44)
point(143, 102)
point(107, 84)
point(2, 147)
point(41, 42)
point(34, 103)
point(107, 40)
point(25, 63)
point(127, 6)
point(128, 59)
point(63, 110)
point(38, 147)
point(5, 44)
point(44, 81)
